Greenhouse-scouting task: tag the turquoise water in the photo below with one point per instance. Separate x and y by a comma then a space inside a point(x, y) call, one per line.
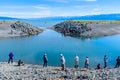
point(31, 49)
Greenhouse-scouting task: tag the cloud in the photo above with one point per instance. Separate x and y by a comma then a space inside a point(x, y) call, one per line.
point(59, 1)
point(13, 7)
point(41, 7)
point(71, 8)
point(87, 0)
point(27, 11)
point(67, 1)
point(91, 0)
point(27, 14)
point(97, 9)
point(25, 7)
point(37, 11)
point(80, 6)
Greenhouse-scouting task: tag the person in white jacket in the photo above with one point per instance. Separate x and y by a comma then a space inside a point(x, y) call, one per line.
point(62, 62)
point(76, 61)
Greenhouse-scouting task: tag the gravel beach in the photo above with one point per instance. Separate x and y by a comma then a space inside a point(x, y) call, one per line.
point(37, 72)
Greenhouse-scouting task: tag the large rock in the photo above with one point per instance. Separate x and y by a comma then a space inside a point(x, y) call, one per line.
point(88, 29)
point(17, 28)
point(72, 28)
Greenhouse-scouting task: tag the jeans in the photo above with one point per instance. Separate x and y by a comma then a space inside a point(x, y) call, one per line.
point(45, 64)
point(86, 65)
point(10, 60)
point(105, 64)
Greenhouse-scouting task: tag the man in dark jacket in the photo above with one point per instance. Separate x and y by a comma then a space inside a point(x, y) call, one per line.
point(45, 59)
point(118, 62)
point(10, 57)
point(105, 61)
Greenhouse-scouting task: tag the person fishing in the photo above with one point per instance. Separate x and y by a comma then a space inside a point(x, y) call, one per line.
point(45, 60)
point(76, 61)
point(86, 62)
point(10, 57)
point(117, 62)
point(105, 61)
point(62, 62)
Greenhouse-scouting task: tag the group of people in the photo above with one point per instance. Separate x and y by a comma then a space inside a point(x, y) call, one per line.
point(63, 61)
point(106, 61)
point(76, 63)
point(11, 55)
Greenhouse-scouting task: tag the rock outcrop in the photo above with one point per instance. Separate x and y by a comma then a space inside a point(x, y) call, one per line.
point(88, 29)
point(72, 28)
point(17, 28)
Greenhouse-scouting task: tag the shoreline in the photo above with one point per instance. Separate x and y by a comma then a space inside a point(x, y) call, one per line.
point(88, 28)
point(37, 72)
point(17, 29)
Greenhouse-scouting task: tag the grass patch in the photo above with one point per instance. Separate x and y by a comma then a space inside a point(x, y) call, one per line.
point(96, 21)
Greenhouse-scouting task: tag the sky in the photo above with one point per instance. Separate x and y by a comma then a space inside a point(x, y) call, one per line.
point(53, 8)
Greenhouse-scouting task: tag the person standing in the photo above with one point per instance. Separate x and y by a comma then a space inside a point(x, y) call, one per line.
point(86, 62)
point(10, 57)
point(105, 61)
point(62, 62)
point(118, 62)
point(76, 61)
point(45, 60)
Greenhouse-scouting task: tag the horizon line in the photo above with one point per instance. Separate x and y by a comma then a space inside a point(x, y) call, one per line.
point(60, 16)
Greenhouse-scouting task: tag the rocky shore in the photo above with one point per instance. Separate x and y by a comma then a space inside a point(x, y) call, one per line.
point(37, 72)
point(17, 28)
point(88, 29)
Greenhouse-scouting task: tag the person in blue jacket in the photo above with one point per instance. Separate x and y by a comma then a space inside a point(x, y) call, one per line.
point(10, 57)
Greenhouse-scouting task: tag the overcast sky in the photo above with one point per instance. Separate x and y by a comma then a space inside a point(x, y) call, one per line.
point(51, 8)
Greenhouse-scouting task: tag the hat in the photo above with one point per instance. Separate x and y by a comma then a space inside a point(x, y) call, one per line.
point(61, 54)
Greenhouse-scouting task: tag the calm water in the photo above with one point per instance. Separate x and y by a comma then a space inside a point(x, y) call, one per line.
point(31, 49)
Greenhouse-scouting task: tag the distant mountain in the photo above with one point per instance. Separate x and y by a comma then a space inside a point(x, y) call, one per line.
point(98, 17)
point(8, 18)
point(88, 17)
